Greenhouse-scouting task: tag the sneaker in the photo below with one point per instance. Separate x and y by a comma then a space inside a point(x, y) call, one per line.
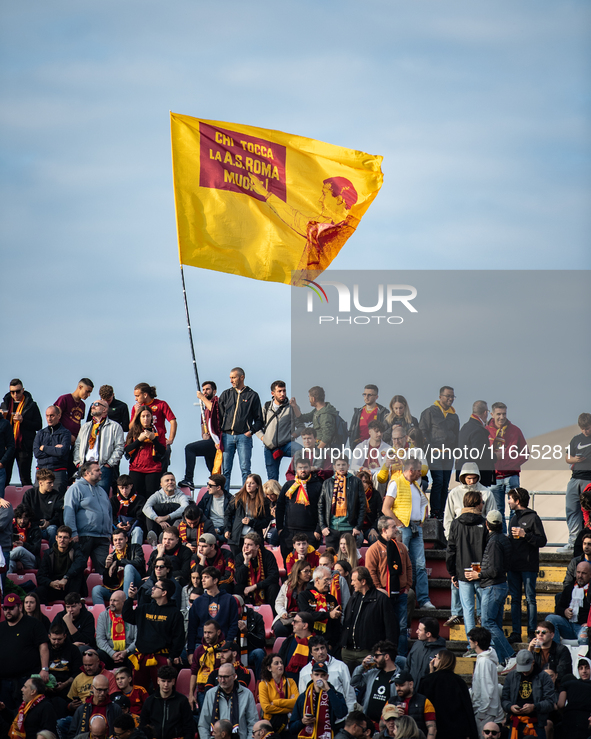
point(186, 484)
point(470, 653)
point(428, 605)
point(152, 539)
point(453, 621)
point(508, 666)
point(514, 638)
point(566, 549)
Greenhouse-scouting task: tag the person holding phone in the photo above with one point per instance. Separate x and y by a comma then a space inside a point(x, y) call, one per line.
point(319, 709)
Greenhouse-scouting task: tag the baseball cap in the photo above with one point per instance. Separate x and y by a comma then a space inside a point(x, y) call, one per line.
point(389, 712)
point(121, 700)
point(12, 599)
point(524, 660)
point(403, 677)
point(494, 517)
point(207, 539)
point(320, 667)
point(225, 645)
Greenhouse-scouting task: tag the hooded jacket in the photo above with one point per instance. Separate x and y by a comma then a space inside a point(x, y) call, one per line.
point(109, 439)
point(247, 712)
point(87, 510)
point(455, 497)
point(420, 655)
point(466, 543)
point(52, 458)
point(525, 552)
point(31, 422)
point(484, 692)
point(47, 506)
point(324, 421)
point(542, 693)
point(277, 425)
point(356, 502)
point(225, 610)
point(168, 717)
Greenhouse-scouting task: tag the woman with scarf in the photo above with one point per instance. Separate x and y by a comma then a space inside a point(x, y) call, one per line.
point(248, 511)
point(286, 604)
point(145, 453)
point(319, 709)
point(277, 693)
point(399, 415)
point(127, 508)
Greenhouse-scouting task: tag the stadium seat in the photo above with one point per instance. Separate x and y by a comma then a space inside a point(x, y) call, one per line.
point(93, 579)
point(44, 547)
point(252, 685)
point(21, 579)
point(52, 610)
point(96, 612)
point(267, 614)
point(276, 551)
point(186, 491)
point(277, 644)
point(183, 681)
point(14, 495)
point(200, 494)
point(321, 549)
point(147, 551)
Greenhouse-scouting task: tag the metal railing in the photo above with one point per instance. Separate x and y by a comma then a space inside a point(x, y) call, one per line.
point(533, 494)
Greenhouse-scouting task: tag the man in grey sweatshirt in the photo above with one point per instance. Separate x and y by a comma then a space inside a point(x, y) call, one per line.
point(164, 508)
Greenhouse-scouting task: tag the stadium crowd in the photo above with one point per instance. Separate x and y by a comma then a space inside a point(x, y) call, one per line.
point(137, 607)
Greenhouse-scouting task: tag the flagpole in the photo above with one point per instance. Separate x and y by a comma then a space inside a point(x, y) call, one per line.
point(195, 370)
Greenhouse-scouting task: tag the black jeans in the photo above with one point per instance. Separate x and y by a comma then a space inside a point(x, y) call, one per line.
point(205, 449)
point(97, 548)
point(24, 460)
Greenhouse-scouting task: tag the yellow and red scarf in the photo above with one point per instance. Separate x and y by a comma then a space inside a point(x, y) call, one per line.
point(312, 557)
point(139, 659)
point(183, 531)
point(17, 730)
point(16, 425)
point(124, 503)
point(207, 663)
point(339, 495)
point(321, 726)
point(321, 606)
point(255, 577)
point(335, 588)
point(300, 657)
point(94, 432)
point(302, 496)
point(118, 631)
point(528, 730)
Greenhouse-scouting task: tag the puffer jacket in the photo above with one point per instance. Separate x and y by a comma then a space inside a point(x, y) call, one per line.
point(356, 502)
point(52, 458)
point(110, 443)
point(496, 561)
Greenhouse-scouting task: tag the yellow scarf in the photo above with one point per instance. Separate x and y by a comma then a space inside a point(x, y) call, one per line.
point(300, 486)
point(16, 425)
point(206, 663)
point(118, 631)
point(94, 433)
point(17, 730)
point(445, 412)
point(339, 495)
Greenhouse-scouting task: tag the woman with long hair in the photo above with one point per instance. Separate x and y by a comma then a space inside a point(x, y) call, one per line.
point(286, 604)
point(444, 689)
point(271, 489)
point(344, 569)
point(145, 453)
point(32, 607)
point(399, 415)
point(249, 510)
point(277, 693)
point(348, 550)
point(405, 727)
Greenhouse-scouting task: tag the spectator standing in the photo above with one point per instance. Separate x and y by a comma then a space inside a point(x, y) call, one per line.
point(276, 431)
point(230, 701)
point(45, 504)
point(485, 692)
point(526, 537)
point(579, 458)
point(73, 409)
point(215, 503)
point(399, 415)
point(145, 452)
point(319, 461)
point(211, 434)
point(323, 417)
point(7, 451)
point(373, 680)
point(51, 447)
point(248, 512)
point(101, 441)
point(88, 513)
point(510, 449)
point(164, 508)
point(370, 411)
point(371, 454)
point(297, 508)
point(342, 504)
point(241, 417)
point(166, 713)
point(428, 644)
point(527, 697)
point(440, 427)
point(145, 394)
point(25, 419)
point(474, 436)
point(373, 507)
point(119, 413)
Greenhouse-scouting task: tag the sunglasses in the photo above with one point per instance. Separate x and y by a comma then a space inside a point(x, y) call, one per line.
point(490, 732)
point(538, 631)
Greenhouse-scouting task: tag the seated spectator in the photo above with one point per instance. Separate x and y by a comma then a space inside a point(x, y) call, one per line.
point(575, 699)
point(277, 693)
point(297, 508)
point(370, 454)
point(248, 512)
point(65, 662)
point(213, 602)
point(583, 556)
point(271, 489)
point(257, 574)
point(251, 636)
point(160, 635)
point(484, 693)
point(446, 689)
point(302, 551)
point(373, 508)
point(180, 556)
point(193, 587)
point(357, 724)
point(527, 697)
point(572, 608)
point(98, 728)
point(205, 660)
point(229, 653)
point(342, 504)
point(230, 701)
point(286, 604)
point(427, 645)
point(550, 654)
point(78, 620)
point(413, 704)
point(318, 600)
point(338, 672)
point(209, 554)
point(46, 505)
point(344, 569)
point(192, 526)
point(51, 447)
point(35, 713)
point(62, 568)
point(146, 452)
point(164, 508)
point(585, 500)
point(373, 679)
point(115, 639)
point(127, 507)
point(160, 569)
point(124, 727)
point(123, 566)
point(349, 552)
point(295, 651)
point(135, 694)
point(166, 713)
point(319, 707)
point(339, 587)
point(81, 687)
point(26, 542)
point(98, 703)
point(320, 463)
point(214, 503)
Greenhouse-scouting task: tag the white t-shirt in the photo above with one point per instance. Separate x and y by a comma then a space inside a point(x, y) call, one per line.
point(417, 510)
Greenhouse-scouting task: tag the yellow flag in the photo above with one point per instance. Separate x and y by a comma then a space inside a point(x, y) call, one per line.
point(265, 204)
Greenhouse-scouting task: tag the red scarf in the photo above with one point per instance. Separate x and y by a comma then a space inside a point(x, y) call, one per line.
point(17, 730)
point(16, 425)
point(300, 657)
point(321, 726)
point(183, 531)
point(255, 577)
point(118, 631)
point(302, 493)
point(312, 557)
point(321, 606)
point(124, 503)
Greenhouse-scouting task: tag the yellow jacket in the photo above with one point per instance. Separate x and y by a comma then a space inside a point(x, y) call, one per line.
point(402, 503)
point(270, 701)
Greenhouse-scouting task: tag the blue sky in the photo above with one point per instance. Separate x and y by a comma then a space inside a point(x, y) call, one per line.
point(481, 111)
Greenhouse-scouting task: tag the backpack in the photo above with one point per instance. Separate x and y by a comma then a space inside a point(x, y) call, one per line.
point(341, 434)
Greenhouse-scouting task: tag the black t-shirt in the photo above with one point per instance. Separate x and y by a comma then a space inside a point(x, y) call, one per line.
point(526, 691)
point(580, 446)
point(379, 694)
point(64, 662)
point(20, 647)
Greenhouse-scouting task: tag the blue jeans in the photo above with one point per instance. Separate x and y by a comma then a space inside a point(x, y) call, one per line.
point(49, 534)
point(416, 551)
point(500, 490)
point(273, 464)
point(456, 604)
point(493, 602)
point(105, 481)
point(130, 575)
point(232, 444)
point(255, 660)
point(467, 591)
point(439, 488)
point(400, 603)
point(20, 554)
point(514, 580)
point(567, 630)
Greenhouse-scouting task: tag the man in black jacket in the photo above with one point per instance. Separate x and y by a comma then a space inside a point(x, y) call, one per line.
point(572, 609)
point(26, 542)
point(123, 566)
point(571, 569)
point(39, 715)
point(493, 581)
point(51, 447)
point(317, 599)
point(241, 417)
point(474, 435)
point(45, 504)
point(214, 504)
point(370, 411)
point(251, 635)
point(528, 693)
point(297, 508)
point(25, 419)
point(526, 537)
point(342, 504)
point(257, 574)
point(548, 653)
point(172, 547)
point(210, 555)
point(62, 568)
point(166, 713)
point(65, 663)
point(369, 618)
point(78, 621)
point(6, 452)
